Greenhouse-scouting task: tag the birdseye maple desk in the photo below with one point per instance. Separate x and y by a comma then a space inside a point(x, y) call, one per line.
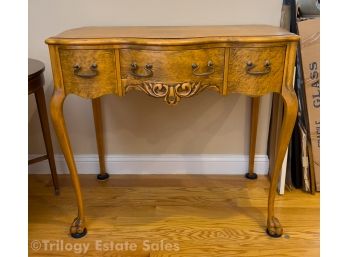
point(173, 63)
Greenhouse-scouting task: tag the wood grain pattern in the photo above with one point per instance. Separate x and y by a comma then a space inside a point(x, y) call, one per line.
point(173, 76)
point(206, 215)
point(173, 66)
point(103, 83)
point(241, 82)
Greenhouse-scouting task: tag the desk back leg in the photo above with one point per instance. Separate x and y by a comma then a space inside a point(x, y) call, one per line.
point(254, 117)
point(98, 123)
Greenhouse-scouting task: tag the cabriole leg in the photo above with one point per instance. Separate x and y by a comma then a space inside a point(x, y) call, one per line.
point(274, 228)
point(78, 228)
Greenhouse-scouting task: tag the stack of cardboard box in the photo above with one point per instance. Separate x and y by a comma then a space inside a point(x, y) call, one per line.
point(309, 30)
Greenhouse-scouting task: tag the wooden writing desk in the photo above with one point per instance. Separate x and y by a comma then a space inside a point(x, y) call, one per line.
point(173, 63)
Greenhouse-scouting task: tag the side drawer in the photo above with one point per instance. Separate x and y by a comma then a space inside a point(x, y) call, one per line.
point(256, 70)
point(88, 73)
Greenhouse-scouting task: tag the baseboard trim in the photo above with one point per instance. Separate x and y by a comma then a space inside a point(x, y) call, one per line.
point(225, 164)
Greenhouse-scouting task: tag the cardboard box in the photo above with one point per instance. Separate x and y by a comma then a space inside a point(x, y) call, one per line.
point(309, 30)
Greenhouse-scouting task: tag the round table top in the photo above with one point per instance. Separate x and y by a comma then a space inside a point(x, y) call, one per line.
point(35, 67)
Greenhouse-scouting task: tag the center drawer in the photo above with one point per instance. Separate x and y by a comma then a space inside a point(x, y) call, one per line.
point(172, 66)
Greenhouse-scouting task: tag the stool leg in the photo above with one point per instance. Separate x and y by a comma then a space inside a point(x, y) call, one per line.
point(41, 107)
point(96, 104)
point(255, 104)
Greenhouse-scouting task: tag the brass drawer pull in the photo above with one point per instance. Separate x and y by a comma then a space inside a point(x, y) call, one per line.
point(148, 71)
point(210, 69)
point(251, 66)
point(90, 74)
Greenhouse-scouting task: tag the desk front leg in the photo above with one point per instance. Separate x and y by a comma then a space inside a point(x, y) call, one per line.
point(78, 227)
point(274, 227)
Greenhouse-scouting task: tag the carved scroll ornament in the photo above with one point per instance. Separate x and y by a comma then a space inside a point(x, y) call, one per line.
point(171, 94)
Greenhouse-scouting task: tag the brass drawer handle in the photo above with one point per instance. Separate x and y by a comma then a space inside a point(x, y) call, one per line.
point(148, 71)
point(250, 66)
point(210, 69)
point(90, 74)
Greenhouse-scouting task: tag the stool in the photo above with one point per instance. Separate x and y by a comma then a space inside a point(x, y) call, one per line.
point(36, 81)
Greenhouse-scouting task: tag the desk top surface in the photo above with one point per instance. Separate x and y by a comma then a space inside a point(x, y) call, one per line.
point(171, 33)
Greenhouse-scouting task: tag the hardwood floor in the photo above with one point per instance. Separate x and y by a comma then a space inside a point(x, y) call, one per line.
point(181, 215)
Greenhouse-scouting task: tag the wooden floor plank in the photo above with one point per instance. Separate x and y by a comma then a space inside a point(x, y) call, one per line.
point(204, 216)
